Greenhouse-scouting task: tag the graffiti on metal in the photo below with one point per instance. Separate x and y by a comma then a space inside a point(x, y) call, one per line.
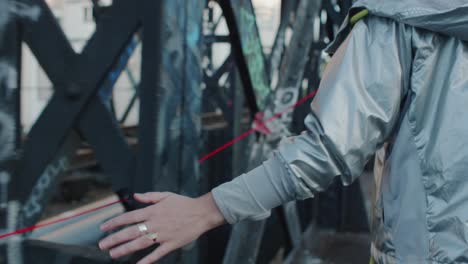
point(19, 9)
point(7, 135)
point(252, 49)
point(191, 124)
point(33, 205)
point(14, 244)
point(25, 11)
point(284, 99)
point(4, 181)
point(8, 76)
point(4, 16)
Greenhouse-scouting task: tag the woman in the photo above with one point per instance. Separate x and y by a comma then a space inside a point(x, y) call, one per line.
point(397, 76)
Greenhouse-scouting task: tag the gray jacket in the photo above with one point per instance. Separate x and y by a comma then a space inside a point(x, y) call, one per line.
point(397, 84)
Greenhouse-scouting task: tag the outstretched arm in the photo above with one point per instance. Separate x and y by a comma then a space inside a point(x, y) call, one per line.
point(354, 112)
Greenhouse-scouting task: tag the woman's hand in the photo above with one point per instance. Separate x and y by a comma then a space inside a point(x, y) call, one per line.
point(176, 220)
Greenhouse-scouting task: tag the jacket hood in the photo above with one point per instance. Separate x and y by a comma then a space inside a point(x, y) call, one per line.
point(448, 17)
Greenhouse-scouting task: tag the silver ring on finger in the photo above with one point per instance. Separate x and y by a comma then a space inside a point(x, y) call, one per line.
point(153, 237)
point(143, 228)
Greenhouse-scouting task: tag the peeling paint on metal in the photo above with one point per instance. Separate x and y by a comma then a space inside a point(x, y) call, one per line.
point(7, 135)
point(25, 11)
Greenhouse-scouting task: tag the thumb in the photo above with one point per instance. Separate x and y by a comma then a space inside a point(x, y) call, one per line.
point(151, 197)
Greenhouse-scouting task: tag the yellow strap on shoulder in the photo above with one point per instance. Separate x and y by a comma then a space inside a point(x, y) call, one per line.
point(371, 260)
point(358, 16)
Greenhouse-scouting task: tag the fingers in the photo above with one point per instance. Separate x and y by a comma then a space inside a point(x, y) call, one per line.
point(151, 197)
point(120, 237)
point(124, 219)
point(158, 253)
point(130, 247)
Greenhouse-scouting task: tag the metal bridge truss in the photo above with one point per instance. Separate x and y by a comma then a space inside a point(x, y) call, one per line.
point(180, 95)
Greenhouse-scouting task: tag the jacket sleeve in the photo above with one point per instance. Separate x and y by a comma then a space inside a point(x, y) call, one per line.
point(355, 111)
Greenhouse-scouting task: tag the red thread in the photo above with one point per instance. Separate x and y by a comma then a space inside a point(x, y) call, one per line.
point(34, 227)
point(225, 146)
point(259, 124)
